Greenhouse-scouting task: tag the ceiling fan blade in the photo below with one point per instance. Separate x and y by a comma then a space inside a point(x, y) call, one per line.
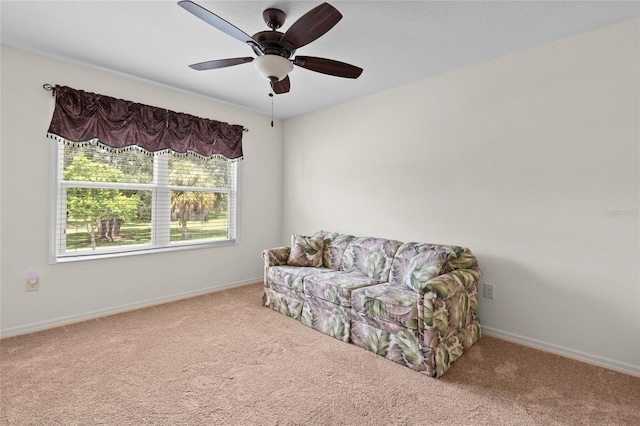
point(328, 66)
point(311, 26)
point(216, 21)
point(281, 86)
point(220, 63)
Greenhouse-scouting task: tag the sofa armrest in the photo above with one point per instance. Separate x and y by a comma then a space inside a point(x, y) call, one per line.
point(450, 316)
point(274, 257)
point(450, 304)
point(448, 285)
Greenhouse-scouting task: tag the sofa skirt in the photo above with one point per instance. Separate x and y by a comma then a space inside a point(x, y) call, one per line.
point(326, 317)
point(402, 348)
point(452, 347)
point(286, 304)
point(424, 351)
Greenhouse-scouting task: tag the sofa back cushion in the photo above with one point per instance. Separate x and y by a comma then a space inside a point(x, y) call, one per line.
point(422, 267)
point(419, 262)
point(370, 256)
point(334, 246)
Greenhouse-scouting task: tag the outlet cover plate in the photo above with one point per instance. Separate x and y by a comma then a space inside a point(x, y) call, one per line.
point(487, 291)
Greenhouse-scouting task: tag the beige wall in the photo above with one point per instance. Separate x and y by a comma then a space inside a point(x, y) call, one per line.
point(520, 159)
point(77, 290)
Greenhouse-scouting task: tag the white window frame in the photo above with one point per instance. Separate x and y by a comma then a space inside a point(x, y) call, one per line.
point(160, 242)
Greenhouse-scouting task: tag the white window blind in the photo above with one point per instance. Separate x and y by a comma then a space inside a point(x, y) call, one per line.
point(129, 201)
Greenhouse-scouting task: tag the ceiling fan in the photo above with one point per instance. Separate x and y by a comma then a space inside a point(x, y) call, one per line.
point(274, 49)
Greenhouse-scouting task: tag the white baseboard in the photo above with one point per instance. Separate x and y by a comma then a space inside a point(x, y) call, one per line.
point(622, 367)
point(57, 322)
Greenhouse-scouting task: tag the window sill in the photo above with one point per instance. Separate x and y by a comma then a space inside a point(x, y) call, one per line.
point(136, 252)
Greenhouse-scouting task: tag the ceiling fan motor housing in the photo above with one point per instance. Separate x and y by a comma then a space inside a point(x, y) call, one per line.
point(270, 44)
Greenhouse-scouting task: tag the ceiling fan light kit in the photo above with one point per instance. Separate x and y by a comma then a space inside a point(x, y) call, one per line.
point(274, 49)
point(273, 67)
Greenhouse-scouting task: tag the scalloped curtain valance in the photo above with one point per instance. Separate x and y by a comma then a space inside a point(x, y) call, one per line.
point(82, 117)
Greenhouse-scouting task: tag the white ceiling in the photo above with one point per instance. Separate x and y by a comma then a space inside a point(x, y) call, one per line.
point(396, 42)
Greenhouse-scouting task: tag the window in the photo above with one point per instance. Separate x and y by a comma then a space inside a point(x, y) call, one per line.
point(112, 202)
point(132, 178)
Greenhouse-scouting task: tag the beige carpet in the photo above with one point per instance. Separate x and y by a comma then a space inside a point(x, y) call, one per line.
point(222, 359)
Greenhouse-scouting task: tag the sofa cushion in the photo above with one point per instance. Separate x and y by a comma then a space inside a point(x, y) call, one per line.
point(334, 246)
point(389, 303)
point(291, 276)
point(336, 286)
point(306, 251)
point(370, 256)
point(287, 291)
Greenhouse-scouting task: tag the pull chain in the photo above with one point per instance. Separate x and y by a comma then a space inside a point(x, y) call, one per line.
point(271, 96)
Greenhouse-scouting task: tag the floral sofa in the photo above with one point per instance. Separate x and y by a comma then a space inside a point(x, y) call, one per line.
point(413, 303)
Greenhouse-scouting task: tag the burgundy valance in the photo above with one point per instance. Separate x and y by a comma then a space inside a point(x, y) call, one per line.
point(82, 117)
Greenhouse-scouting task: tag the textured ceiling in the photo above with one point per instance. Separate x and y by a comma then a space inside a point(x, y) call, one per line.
point(396, 42)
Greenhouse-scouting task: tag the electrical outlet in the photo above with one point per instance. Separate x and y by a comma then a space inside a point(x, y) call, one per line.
point(33, 284)
point(487, 290)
